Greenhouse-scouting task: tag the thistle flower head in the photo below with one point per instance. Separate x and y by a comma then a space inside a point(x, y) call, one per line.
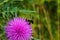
point(18, 29)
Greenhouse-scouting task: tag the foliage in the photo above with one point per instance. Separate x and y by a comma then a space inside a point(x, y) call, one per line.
point(45, 15)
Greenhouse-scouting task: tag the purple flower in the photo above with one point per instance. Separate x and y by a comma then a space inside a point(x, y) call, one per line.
point(18, 29)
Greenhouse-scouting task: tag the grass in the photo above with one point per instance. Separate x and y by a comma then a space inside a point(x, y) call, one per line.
point(44, 14)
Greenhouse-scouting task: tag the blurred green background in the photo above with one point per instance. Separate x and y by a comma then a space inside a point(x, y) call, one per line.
point(45, 15)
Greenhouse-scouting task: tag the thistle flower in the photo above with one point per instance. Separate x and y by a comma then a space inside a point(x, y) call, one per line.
point(18, 29)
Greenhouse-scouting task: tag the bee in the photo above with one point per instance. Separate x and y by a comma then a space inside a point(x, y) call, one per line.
point(30, 21)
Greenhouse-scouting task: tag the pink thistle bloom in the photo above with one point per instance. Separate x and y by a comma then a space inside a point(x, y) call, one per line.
point(18, 29)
